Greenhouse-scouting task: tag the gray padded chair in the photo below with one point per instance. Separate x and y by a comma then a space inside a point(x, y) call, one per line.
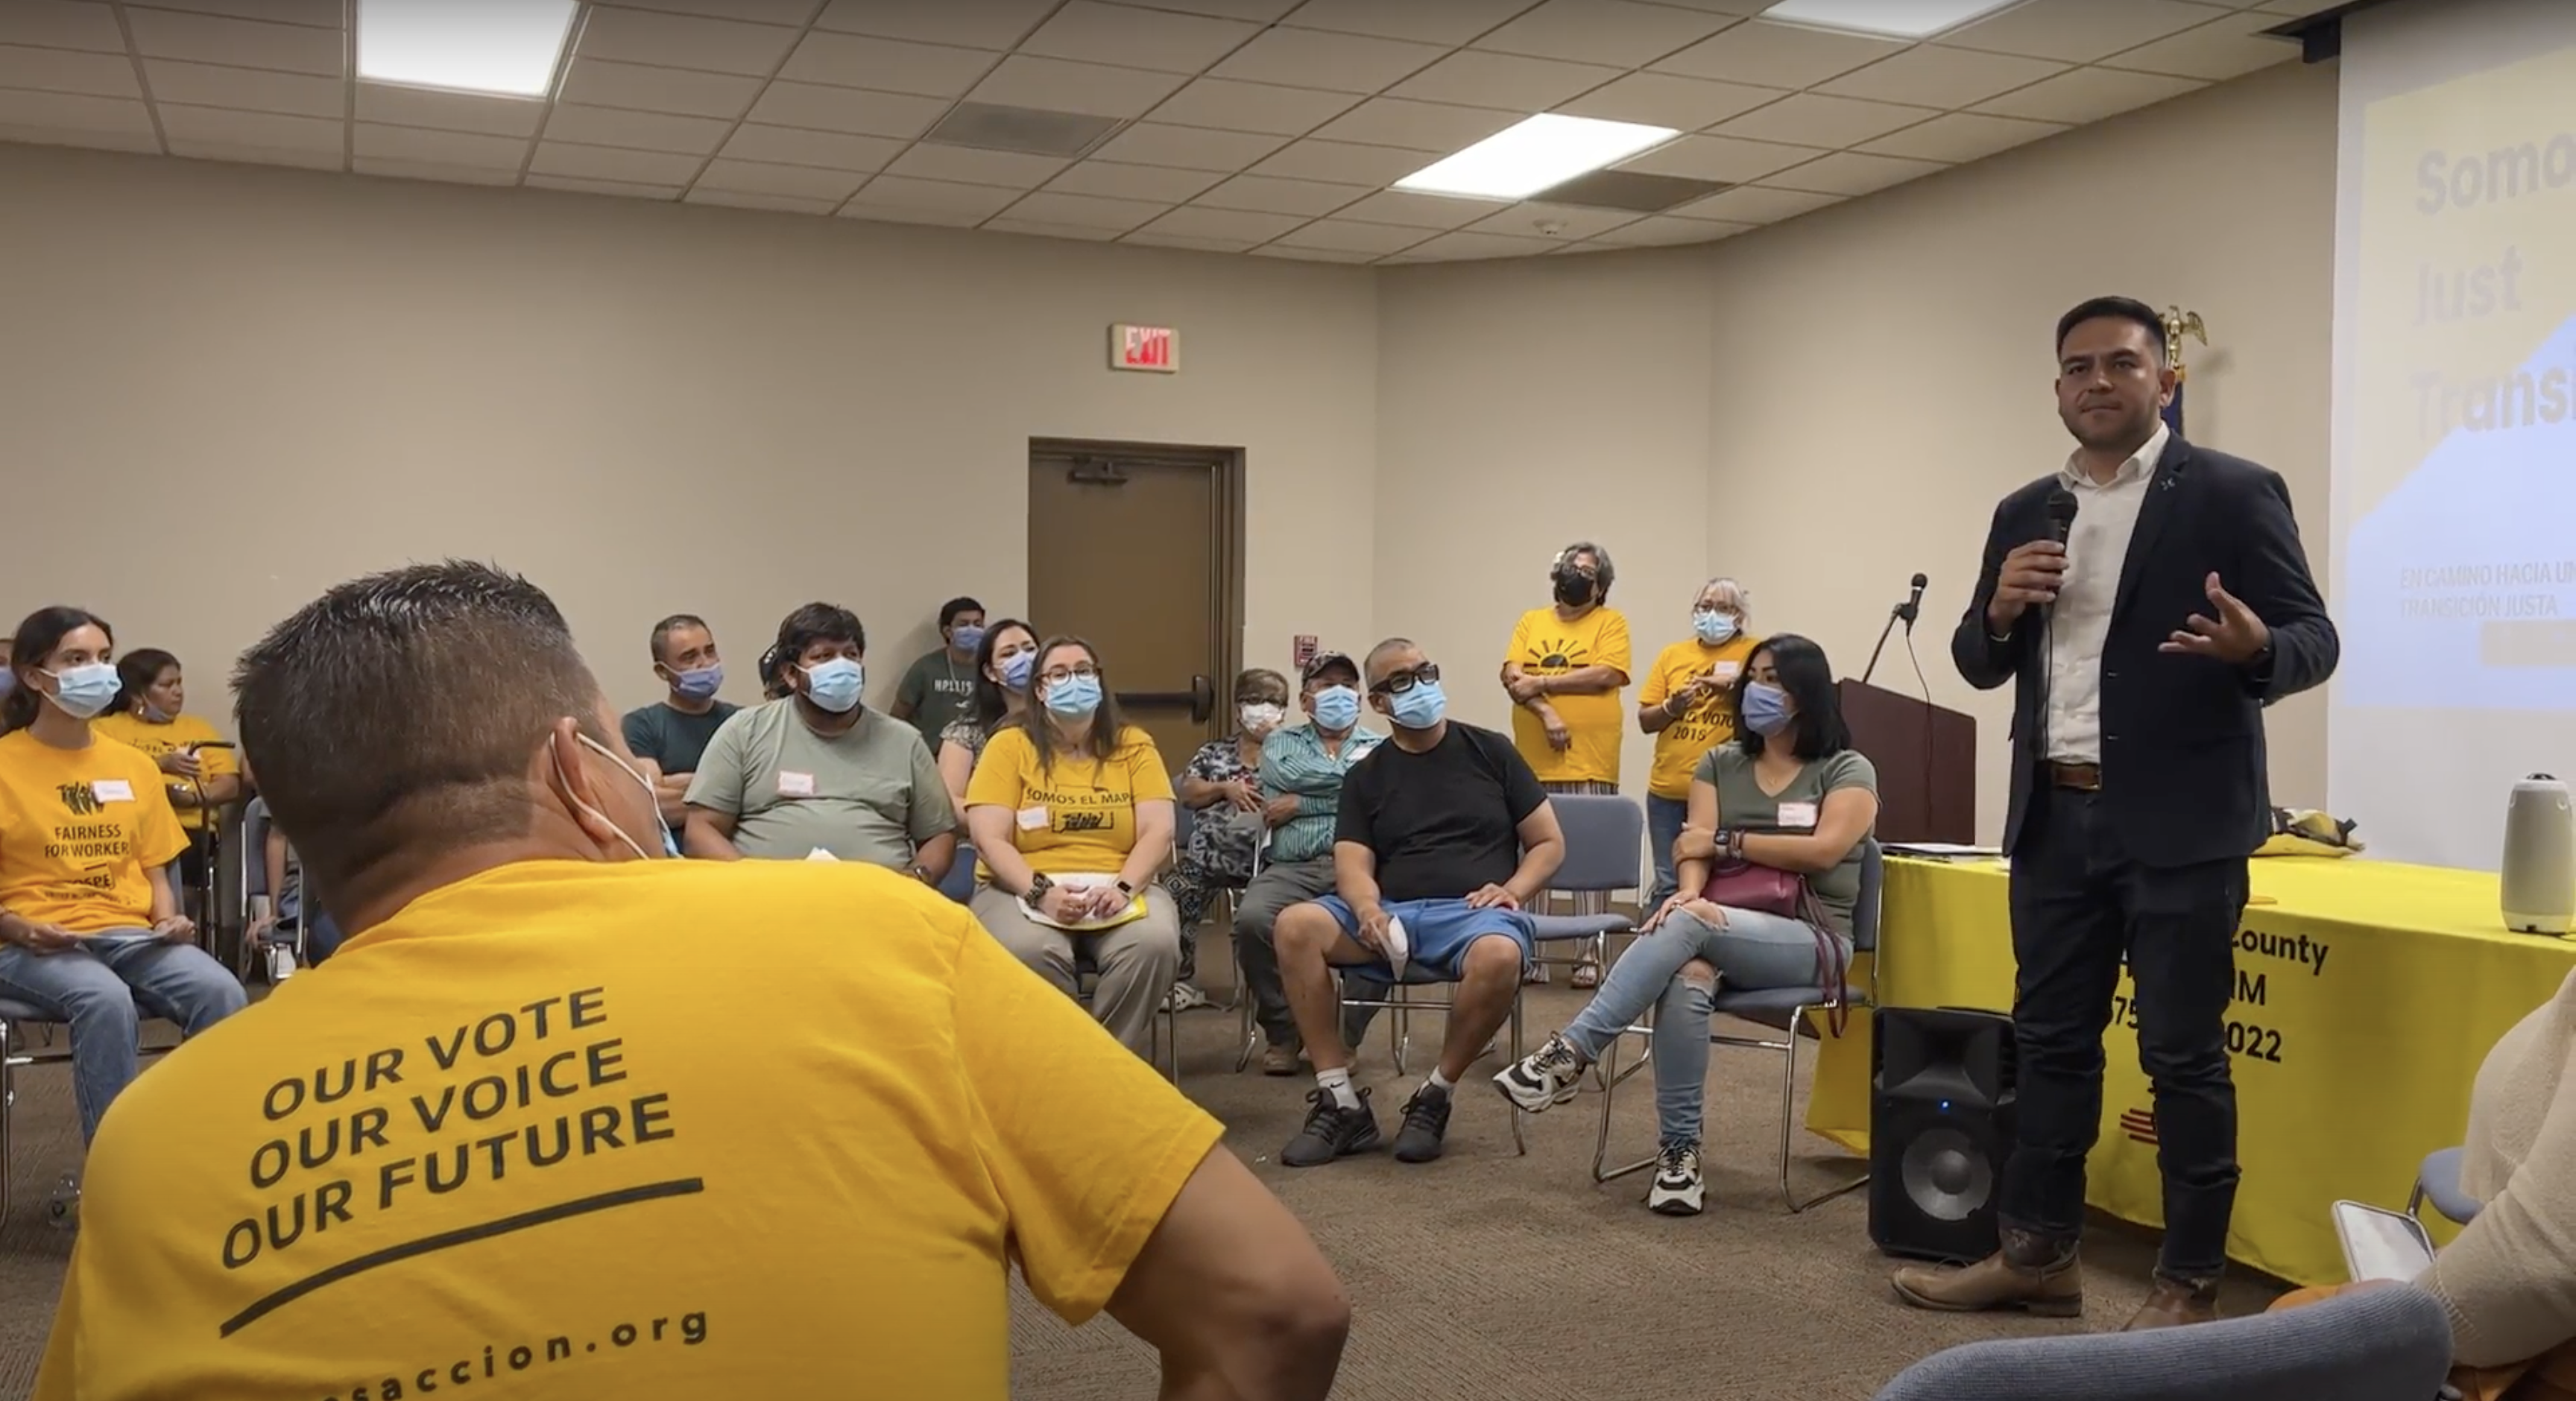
point(2438, 1182)
point(17, 1018)
point(2381, 1345)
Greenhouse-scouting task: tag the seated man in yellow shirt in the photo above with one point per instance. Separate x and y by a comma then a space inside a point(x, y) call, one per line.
point(554, 1110)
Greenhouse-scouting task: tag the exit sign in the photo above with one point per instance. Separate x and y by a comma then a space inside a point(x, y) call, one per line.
point(1154, 348)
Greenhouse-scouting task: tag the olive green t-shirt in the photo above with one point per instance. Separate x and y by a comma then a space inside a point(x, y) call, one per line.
point(1741, 803)
point(869, 794)
point(940, 689)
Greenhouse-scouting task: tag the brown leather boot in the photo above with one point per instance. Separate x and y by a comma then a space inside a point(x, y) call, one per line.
point(2030, 1273)
point(2175, 1302)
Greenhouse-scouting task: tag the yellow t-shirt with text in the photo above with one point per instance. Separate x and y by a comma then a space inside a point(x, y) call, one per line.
point(1547, 645)
point(488, 1149)
point(1078, 815)
point(154, 740)
point(81, 830)
point(1708, 723)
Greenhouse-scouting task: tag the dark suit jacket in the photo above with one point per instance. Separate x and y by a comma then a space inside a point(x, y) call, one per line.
point(2182, 736)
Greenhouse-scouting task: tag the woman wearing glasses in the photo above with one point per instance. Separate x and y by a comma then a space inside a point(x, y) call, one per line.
point(1071, 814)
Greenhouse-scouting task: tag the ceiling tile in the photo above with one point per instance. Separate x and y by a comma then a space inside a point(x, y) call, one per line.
point(1092, 89)
point(1811, 119)
point(685, 41)
point(1085, 211)
point(983, 24)
point(972, 202)
point(1661, 231)
point(1930, 76)
point(1565, 222)
point(1347, 236)
point(639, 131)
point(1776, 55)
point(1267, 194)
point(242, 43)
point(1718, 158)
point(1343, 162)
point(794, 12)
point(1412, 211)
point(1755, 204)
point(235, 153)
point(589, 185)
point(1851, 173)
point(253, 89)
point(1039, 230)
point(1147, 238)
point(764, 178)
point(851, 110)
point(1961, 136)
point(1311, 255)
point(2088, 95)
point(1508, 81)
point(832, 150)
point(2226, 48)
point(887, 65)
point(560, 158)
point(745, 199)
point(450, 111)
point(904, 214)
point(1119, 181)
point(1304, 58)
point(2297, 9)
point(1451, 22)
point(2079, 31)
point(54, 70)
point(323, 14)
point(1235, 106)
point(51, 111)
point(258, 130)
point(1008, 169)
point(432, 171)
point(1615, 32)
point(413, 146)
point(1463, 247)
point(61, 24)
point(1255, 11)
point(1418, 126)
point(598, 83)
point(1662, 99)
point(1091, 32)
point(1187, 148)
point(1195, 222)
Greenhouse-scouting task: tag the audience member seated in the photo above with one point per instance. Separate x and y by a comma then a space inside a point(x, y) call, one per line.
point(290, 912)
point(773, 666)
point(938, 689)
point(1444, 830)
point(1564, 671)
point(1004, 657)
point(88, 922)
point(818, 772)
point(1071, 812)
point(198, 770)
point(1688, 705)
point(1221, 784)
point(1790, 795)
point(832, 1191)
point(674, 731)
point(1301, 797)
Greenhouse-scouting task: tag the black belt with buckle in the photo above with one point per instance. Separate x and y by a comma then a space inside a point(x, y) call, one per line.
point(2083, 778)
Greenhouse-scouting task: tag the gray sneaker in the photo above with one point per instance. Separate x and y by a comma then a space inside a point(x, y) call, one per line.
point(1677, 1186)
point(1543, 1079)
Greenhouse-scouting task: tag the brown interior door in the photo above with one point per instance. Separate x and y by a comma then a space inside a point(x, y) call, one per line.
point(1132, 551)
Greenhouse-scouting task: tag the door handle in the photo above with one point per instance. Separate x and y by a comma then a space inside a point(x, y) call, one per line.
point(1202, 699)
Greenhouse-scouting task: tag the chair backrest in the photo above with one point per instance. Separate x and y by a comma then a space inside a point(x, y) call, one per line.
point(2381, 1345)
point(254, 850)
point(1873, 877)
point(1605, 836)
point(1185, 819)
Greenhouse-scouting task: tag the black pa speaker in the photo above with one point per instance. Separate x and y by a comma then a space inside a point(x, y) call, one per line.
point(1940, 1127)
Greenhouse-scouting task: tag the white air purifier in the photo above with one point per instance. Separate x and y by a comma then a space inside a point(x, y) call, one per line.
point(2539, 858)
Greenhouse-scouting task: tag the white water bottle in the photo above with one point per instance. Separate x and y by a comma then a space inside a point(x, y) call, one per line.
point(2539, 869)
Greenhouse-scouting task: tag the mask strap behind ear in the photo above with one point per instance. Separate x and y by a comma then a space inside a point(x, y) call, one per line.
point(564, 777)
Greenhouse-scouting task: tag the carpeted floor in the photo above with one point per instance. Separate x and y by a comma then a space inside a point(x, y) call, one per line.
point(1482, 1275)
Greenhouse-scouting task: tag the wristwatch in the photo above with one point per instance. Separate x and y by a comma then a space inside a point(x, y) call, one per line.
point(1127, 890)
point(1039, 884)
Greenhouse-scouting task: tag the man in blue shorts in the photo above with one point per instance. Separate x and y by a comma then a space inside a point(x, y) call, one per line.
point(1444, 831)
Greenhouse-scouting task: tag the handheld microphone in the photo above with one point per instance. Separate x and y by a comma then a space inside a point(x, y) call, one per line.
point(2061, 514)
point(1912, 607)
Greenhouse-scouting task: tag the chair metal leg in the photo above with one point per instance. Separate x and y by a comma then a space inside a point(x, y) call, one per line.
point(1251, 1038)
point(1611, 1075)
point(8, 1101)
point(1520, 1142)
point(2415, 1199)
point(1788, 1125)
point(1399, 1028)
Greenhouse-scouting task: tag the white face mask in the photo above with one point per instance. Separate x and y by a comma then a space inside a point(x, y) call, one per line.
point(1261, 717)
point(653, 799)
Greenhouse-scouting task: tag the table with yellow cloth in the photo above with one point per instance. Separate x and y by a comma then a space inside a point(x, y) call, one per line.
point(2367, 994)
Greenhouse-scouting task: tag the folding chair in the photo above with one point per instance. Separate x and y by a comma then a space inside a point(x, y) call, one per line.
point(2438, 1182)
point(256, 898)
point(16, 1019)
point(1760, 1004)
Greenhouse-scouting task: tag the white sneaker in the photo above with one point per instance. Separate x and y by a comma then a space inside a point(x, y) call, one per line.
point(1677, 1186)
point(1185, 998)
point(281, 963)
point(1543, 1079)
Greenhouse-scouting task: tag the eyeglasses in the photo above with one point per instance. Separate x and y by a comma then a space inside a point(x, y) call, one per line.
point(1404, 681)
point(1054, 674)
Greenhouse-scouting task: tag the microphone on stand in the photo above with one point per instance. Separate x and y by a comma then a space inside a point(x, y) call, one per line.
point(1905, 613)
point(1912, 607)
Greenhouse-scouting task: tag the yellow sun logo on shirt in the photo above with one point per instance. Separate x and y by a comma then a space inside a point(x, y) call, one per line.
point(1558, 653)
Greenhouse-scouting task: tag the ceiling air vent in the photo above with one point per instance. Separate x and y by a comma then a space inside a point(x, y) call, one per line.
point(1028, 130)
point(1629, 190)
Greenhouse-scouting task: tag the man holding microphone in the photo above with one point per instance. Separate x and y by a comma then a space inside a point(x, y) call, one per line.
point(2146, 602)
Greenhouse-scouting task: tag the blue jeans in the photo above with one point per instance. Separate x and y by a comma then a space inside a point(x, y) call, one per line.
point(1664, 819)
point(1754, 950)
point(97, 988)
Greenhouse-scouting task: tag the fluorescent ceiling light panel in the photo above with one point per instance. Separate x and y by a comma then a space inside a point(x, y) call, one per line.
point(1537, 154)
point(1887, 19)
point(505, 47)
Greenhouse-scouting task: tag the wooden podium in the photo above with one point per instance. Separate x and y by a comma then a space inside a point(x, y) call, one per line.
point(1926, 759)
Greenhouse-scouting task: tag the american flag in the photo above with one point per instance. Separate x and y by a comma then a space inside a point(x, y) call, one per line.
point(2139, 1124)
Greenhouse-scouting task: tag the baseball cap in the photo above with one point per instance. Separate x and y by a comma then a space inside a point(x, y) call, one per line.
point(1316, 664)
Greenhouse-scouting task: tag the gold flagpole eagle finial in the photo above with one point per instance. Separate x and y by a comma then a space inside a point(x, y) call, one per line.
point(2178, 325)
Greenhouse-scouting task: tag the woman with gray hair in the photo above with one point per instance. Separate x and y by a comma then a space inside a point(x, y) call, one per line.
point(1688, 705)
point(1567, 664)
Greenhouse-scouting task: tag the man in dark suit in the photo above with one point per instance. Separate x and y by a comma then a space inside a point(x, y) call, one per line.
point(2142, 651)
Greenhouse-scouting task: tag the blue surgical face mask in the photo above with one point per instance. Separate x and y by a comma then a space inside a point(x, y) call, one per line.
point(1016, 668)
point(834, 685)
point(156, 715)
point(1714, 628)
point(967, 638)
point(8, 681)
point(1337, 707)
point(1419, 708)
point(1766, 709)
point(82, 692)
point(653, 800)
point(1074, 698)
point(698, 683)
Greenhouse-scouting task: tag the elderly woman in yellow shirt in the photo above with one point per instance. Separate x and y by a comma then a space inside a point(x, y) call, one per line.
point(150, 712)
point(1567, 664)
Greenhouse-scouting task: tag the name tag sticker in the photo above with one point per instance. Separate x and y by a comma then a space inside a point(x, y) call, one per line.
point(1725, 671)
point(795, 785)
point(1033, 819)
point(112, 790)
point(1798, 815)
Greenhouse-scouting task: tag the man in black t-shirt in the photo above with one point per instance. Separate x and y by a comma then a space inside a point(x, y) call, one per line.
point(1445, 833)
point(674, 731)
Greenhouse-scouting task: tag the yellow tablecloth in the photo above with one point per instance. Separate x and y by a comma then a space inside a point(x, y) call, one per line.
point(2367, 993)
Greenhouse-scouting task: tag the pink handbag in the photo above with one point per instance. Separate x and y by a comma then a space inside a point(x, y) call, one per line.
point(1768, 890)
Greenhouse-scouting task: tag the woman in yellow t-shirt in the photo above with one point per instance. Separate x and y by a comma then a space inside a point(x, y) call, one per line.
point(88, 921)
point(1688, 705)
point(150, 713)
point(1071, 812)
point(1567, 664)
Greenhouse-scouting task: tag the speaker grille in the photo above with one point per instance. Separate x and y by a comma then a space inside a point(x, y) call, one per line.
point(1032, 131)
point(1948, 1175)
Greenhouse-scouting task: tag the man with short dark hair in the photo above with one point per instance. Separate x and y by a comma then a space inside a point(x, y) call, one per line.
point(939, 685)
point(1443, 835)
point(477, 1153)
point(817, 774)
point(674, 731)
